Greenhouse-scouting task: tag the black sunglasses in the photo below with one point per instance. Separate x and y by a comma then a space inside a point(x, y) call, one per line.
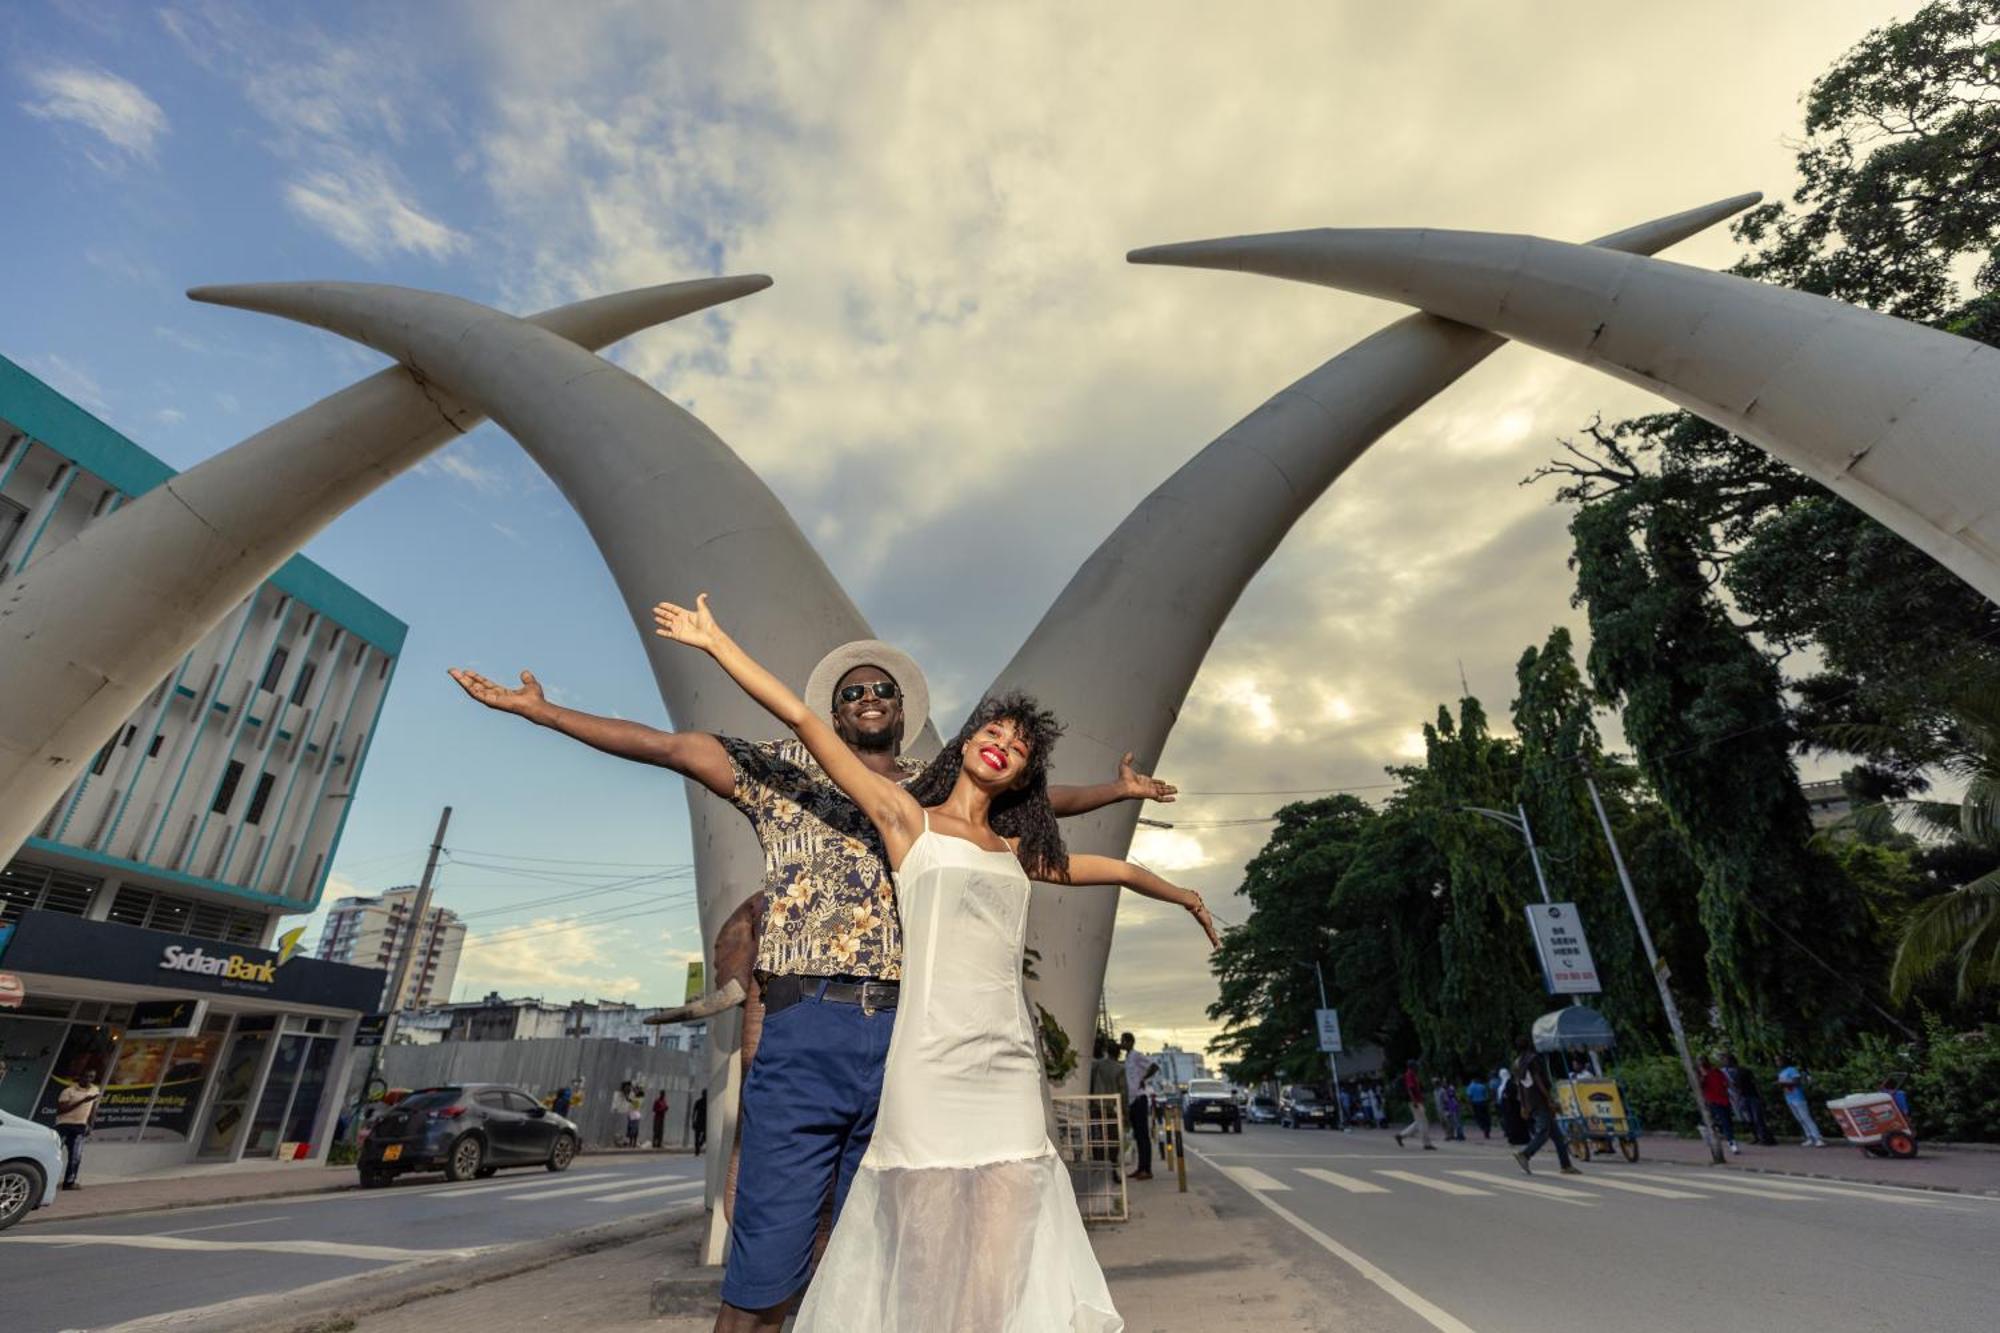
point(884, 689)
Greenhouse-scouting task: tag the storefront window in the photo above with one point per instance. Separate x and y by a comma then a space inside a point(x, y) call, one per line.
point(155, 1086)
point(28, 1048)
point(312, 1087)
point(88, 1048)
point(238, 1079)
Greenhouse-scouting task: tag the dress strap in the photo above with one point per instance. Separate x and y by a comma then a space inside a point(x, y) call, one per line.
point(927, 817)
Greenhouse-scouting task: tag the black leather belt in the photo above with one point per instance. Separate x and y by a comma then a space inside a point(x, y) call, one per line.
point(783, 992)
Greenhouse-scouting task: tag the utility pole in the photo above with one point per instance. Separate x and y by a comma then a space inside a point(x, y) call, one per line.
point(1332, 1064)
point(395, 994)
point(1659, 972)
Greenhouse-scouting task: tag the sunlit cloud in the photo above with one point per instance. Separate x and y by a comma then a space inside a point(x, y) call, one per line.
point(116, 109)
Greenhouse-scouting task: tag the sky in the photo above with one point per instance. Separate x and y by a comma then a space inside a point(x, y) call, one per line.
point(944, 196)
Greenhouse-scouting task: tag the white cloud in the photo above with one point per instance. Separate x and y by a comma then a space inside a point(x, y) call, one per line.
point(170, 416)
point(1169, 851)
point(543, 956)
point(364, 209)
point(457, 463)
point(70, 380)
point(114, 108)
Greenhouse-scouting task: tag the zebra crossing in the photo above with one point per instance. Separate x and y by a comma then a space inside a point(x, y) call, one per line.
point(1595, 1187)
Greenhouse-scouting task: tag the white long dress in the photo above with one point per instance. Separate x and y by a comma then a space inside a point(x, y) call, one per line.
point(961, 1217)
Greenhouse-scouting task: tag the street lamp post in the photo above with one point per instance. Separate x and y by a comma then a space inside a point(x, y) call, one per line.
point(1518, 821)
point(1332, 1063)
point(1659, 973)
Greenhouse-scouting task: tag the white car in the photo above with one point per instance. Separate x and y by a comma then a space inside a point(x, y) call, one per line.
point(31, 1168)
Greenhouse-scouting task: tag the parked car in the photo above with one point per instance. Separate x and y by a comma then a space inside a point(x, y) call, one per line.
point(1301, 1105)
point(1263, 1110)
point(31, 1167)
point(1209, 1101)
point(468, 1131)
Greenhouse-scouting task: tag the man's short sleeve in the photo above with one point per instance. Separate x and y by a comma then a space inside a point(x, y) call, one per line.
point(764, 773)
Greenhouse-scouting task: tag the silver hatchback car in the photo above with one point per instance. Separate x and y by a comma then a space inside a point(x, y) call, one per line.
point(31, 1168)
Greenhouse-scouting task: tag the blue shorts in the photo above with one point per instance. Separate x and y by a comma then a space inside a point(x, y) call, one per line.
point(808, 1110)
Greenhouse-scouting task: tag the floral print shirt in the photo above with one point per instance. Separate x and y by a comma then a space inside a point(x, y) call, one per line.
point(829, 903)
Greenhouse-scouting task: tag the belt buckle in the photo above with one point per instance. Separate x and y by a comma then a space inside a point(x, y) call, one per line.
point(867, 1005)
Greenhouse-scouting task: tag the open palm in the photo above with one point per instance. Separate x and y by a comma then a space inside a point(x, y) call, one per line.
point(696, 628)
point(495, 695)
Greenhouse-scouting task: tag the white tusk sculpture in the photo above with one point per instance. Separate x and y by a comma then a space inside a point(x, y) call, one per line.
point(673, 512)
point(93, 626)
point(1116, 653)
point(1900, 420)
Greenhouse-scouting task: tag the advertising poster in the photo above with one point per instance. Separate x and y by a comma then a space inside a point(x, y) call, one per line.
point(128, 1089)
point(181, 1082)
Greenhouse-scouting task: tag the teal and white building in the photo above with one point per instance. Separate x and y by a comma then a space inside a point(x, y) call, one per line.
point(210, 817)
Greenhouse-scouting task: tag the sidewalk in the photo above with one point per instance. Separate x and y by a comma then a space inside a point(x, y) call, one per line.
point(240, 1182)
point(1162, 1266)
point(1952, 1170)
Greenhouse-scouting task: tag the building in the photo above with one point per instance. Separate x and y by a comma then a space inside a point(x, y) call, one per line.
point(146, 915)
point(1827, 802)
point(531, 1019)
point(1178, 1066)
point(369, 932)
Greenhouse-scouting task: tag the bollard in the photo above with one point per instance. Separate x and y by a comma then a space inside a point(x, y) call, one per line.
point(1180, 1153)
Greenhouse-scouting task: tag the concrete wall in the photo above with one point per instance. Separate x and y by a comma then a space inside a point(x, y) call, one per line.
point(543, 1066)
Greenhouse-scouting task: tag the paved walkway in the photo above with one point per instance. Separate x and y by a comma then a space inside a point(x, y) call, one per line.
point(1956, 1170)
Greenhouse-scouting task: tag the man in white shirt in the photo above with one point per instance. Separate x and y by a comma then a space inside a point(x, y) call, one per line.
point(1139, 1068)
point(75, 1105)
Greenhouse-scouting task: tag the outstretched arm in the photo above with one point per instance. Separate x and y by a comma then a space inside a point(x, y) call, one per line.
point(892, 810)
point(695, 755)
point(1130, 785)
point(1085, 869)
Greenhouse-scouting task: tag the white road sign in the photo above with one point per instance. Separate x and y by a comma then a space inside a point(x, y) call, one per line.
point(1329, 1030)
point(1567, 967)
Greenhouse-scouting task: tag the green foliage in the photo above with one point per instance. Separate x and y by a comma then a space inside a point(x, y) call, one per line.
point(1955, 1094)
point(1058, 1052)
point(1656, 1090)
point(342, 1154)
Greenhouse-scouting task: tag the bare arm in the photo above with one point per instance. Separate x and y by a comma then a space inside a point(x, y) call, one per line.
point(892, 810)
point(695, 755)
point(1130, 785)
point(1085, 869)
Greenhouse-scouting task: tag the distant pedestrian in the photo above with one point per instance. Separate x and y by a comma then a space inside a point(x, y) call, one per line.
point(1792, 1081)
point(660, 1119)
point(1381, 1100)
point(633, 1116)
point(1138, 1068)
point(1748, 1102)
point(562, 1100)
point(1413, 1088)
point(1478, 1097)
point(1715, 1094)
point(1107, 1086)
point(76, 1107)
point(701, 1121)
point(1531, 1090)
point(1448, 1111)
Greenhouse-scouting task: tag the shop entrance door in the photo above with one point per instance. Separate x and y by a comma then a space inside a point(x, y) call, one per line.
point(234, 1087)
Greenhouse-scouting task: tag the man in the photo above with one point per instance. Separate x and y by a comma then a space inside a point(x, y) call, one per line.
point(562, 1100)
point(1139, 1067)
point(1792, 1082)
point(1107, 1079)
point(75, 1106)
point(828, 954)
point(1413, 1088)
point(1530, 1082)
point(1748, 1100)
point(1476, 1095)
point(1715, 1093)
point(700, 1122)
point(660, 1119)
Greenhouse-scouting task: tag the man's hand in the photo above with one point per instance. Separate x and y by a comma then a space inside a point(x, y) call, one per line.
point(1139, 786)
point(696, 628)
point(522, 701)
point(1199, 911)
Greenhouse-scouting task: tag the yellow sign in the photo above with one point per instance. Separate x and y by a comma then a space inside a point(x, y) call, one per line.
point(696, 981)
point(1597, 1098)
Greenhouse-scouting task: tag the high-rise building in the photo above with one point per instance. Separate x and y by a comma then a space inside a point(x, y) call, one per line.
point(370, 932)
point(147, 911)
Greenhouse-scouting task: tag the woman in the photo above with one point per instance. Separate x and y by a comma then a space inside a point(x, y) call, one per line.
point(961, 1216)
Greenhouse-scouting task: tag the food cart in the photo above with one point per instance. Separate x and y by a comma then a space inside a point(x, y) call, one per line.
point(1872, 1122)
point(1590, 1110)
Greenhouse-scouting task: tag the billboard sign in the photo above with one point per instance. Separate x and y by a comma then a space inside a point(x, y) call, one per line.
point(1567, 967)
point(1329, 1030)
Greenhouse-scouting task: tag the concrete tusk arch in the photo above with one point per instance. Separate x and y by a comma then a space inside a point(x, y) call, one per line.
point(1898, 419)
point(89, 629)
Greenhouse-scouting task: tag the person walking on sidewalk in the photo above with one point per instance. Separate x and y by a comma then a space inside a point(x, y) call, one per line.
point(660, 1119)
point(1479, 1097)
point(1413, 1088)
point(1715, 1094)
point(1792, 1080)
point(1530, 1082)
point(76, 1106)
point(700, 1122)
point(1138, 1105)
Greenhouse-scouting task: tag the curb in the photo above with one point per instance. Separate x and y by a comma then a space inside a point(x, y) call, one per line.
point(48, 1215)
point(1830, 1179)
point(335, 1305)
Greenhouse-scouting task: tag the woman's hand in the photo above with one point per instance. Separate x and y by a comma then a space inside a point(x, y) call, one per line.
point(1199, 911)
point(696, 628)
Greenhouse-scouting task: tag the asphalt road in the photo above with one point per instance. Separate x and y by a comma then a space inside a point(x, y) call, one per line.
point(1460, 1239)
point(97, 1272)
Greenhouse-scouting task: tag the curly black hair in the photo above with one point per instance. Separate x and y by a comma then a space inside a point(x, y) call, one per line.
point(1022, 812)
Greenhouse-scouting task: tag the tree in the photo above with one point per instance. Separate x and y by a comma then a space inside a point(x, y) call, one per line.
point(1267, 998)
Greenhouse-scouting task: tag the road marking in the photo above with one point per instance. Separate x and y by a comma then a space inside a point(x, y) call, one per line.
point(1887, 1194)
point(1348, 1183)
point(536, 1196)
point(1598, 1180)
point(1250, 1178)
point(1561, 1192)
point(678, 1187)
point(223, 1226)
point(330, 1248)
point(1773, 1191)
point(610, 1180)
point(1432, 1183)
point(1431, 1314)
